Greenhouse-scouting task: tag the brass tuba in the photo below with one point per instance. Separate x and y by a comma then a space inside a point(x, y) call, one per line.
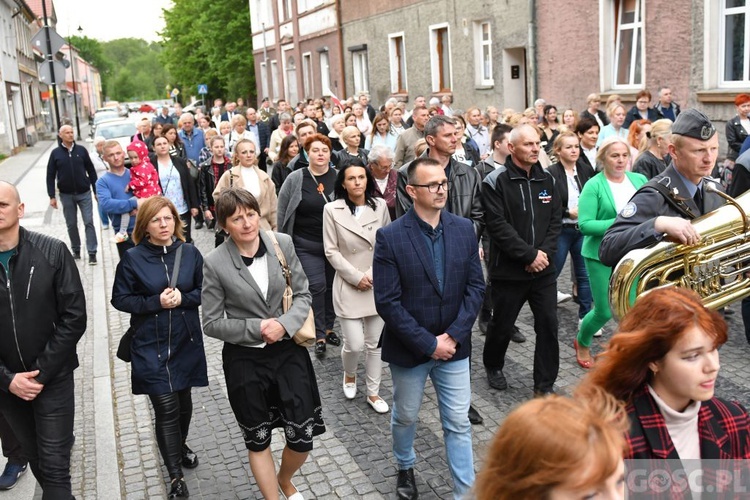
point(717, 268)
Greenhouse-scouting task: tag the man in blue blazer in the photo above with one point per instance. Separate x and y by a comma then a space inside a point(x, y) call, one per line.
point(428, 286)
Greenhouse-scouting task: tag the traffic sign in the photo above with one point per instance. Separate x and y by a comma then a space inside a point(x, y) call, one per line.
point(175, 92)
point(45, 72)
point(40, 41)
point(203, 89)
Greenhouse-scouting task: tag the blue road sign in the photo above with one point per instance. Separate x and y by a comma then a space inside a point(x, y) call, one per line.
point(203, 89)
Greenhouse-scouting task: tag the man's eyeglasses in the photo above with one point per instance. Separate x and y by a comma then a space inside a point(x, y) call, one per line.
point(166, 219)
point(434, 188)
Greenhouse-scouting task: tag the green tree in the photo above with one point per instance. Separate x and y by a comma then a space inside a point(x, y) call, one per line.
point(91, 50)
point(207, 41)
point(138, 74)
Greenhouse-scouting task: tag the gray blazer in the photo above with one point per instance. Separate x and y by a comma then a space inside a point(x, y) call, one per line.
point(233, 305)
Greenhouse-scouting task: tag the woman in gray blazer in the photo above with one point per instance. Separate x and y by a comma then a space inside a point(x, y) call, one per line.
point(349, 227)
point(270, 379)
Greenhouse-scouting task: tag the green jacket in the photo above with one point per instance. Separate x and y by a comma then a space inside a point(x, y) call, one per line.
point(596, 211)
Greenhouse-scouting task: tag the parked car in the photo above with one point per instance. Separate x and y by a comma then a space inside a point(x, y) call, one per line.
point(193, 107)
point(121, 130)
point(102, 115)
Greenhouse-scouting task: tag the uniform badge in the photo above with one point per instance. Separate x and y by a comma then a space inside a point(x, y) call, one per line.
point(629, 210)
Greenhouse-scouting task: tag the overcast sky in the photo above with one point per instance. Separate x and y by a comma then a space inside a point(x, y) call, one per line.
point(111, 19)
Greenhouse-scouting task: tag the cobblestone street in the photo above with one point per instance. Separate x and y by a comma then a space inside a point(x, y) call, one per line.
point(115, 453)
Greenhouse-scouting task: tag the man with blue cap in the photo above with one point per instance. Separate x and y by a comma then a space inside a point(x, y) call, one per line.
point(663, 207)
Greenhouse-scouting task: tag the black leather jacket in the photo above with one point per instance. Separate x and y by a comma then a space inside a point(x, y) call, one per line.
point(42, 310)
point(464, 195)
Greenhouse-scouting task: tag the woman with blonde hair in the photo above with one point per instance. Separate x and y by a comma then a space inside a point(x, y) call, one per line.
point(654, 157)
point(570, 120)
point(616, 113)
point(350, 138)
point(557, 448)
point(246, 174)
point(663, 364)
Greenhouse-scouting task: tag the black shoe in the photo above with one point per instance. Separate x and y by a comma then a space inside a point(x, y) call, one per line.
point(332, 338)
point(496, 379)
point(211, 224)
point(199, 225)
point(92, 259)
point(406, 487)
point(540, 393)
point(189, 458)
point(77, 255)
point(320, 348)
point(179, 489)
point(517, 336)
point(474, 417)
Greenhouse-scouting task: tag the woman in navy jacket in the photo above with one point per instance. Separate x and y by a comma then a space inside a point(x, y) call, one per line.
point(167, 348)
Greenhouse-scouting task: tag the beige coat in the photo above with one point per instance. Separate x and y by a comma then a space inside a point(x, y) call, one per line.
point(349, 246)
point(266, 200)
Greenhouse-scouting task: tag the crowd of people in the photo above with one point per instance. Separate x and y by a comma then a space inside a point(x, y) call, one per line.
point(404, 227)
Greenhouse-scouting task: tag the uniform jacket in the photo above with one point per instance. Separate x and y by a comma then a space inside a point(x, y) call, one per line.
point(42, 311)
point(736, 135)
point(73, 169)
point(407, 295)
point(523, 215)
point(723, 426)
point(167, 346)
point(558, 172)
point(464, 195)
point(596, 211)
point(349, 246)
point(634, 228)
point(233, 305)
point(266, 200)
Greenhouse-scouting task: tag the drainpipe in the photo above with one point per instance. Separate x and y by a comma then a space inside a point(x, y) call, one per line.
point(341, 92)
point(531, 57)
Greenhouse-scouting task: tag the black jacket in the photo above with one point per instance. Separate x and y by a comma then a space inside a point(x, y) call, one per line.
point(736, 135)
point(583, 173)
point(207, 182)
point(583, 160)
point(463, 196)
point(740, 176)
point(42, 310)
point(342, 158)
point(523, 215)
point(73, 169)
point(601, 114)
point(633, 116)
point(649, 165)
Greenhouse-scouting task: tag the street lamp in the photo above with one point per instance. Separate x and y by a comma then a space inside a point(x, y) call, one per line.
point(75, 92)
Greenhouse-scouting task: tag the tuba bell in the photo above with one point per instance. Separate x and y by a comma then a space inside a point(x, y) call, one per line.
point(717, 268)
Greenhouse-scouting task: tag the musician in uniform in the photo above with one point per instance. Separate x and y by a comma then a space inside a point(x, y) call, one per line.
point(663, 208)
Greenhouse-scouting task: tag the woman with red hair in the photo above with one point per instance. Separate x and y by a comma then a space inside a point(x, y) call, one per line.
point(636, 133)
point(663, 363)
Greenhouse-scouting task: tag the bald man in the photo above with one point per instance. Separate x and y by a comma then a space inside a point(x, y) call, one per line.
point(70, 164)
point(42, 318)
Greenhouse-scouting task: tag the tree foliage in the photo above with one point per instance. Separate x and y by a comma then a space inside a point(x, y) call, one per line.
point(208, 41)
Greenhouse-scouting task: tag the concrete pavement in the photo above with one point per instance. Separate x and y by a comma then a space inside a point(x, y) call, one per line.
point(116, 456)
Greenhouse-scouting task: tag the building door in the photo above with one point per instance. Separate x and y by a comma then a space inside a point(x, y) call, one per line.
point(291, 81)
point(514, 79)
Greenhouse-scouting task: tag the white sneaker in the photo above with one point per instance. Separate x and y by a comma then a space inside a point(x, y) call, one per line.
point(563, 297)
point(379, 405)
point(350, 388)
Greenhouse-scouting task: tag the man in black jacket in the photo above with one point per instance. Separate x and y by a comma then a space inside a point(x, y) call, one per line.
point(76, 176)
point(523, 219)
point(42, 318)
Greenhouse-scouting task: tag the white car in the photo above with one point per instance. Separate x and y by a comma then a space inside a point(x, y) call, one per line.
point(121, 131)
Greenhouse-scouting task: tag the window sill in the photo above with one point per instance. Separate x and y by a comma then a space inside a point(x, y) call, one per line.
point(725, 96)
point(484, 86)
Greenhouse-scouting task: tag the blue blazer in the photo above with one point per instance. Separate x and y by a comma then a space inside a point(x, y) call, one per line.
point(407, 295)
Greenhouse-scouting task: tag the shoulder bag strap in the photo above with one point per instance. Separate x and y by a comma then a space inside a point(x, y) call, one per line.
point(282, 259)
point(176, 269)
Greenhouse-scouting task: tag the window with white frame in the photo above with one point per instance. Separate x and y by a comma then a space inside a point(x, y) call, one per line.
point(275, 79)
point(440, 58)
point(359, 64)
point(307, 74)
point(628, 48)
point(398, 63)
point(483, 53)
point(735, 54)
point(325, 74)
point(264, 79)
point(285, 9)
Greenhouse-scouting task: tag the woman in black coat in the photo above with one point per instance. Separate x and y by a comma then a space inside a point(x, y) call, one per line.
point(735, 130)
point(167, 352)
point(176, 183)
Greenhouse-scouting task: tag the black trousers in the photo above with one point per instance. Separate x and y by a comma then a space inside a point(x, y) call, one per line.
point(11, 445)
point(320, 276)
point(44, 427)
point(173, 412)
point(508, 296)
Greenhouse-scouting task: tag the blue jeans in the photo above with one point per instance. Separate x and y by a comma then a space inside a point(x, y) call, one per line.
point(571, 240)
point(453, 388)
point(71, 203)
